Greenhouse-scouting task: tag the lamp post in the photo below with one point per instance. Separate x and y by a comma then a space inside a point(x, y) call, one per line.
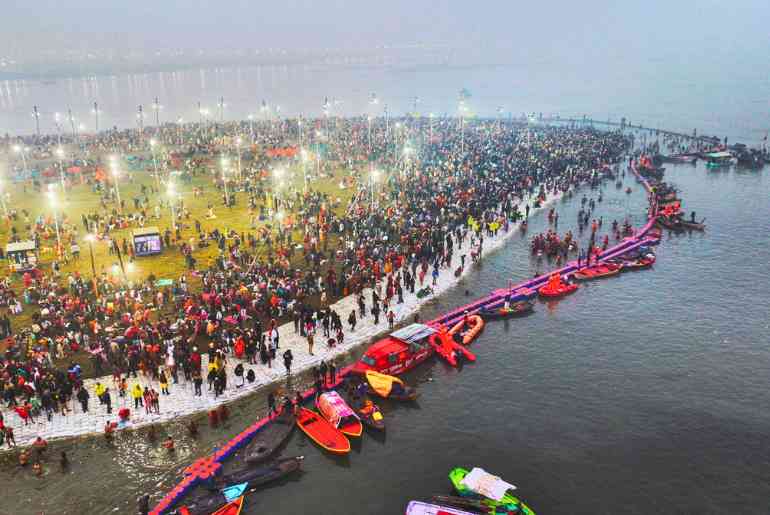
point(172, 195)
point(60, 155)
point(373, 176)
point(238, 142)
point(369, 131)
point(278, 174)
point(20, 149)
point(303, 156)
point(225, 163)
point(153, 144)
point(251, 125)
point(116, 175)
point(157, 107)
point(95, 110)
point(2, 200)
point(90, 239)
point(52, 198)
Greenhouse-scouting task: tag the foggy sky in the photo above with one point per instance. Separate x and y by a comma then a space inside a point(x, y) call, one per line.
point(570, 29)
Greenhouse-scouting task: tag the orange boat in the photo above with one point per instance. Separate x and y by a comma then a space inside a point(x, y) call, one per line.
point(322, 432)
point(232, 508)
point(339, 414)
point(556, 288)
point(474, 325)
point(445, 346)
point(597, 272)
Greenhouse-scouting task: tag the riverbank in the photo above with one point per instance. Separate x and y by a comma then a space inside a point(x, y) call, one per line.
point(181, 400)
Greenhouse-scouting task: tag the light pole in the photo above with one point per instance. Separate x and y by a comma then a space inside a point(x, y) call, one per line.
point(19, 149)
point(90, 239)
point(2, 200)
point(116, 175)
point(369, 122)
point(157, 107)
point(172, 195)
point(430, 123)
point(303, 156)
point(251, 125)
point(238, 142)
point(278, 174)
point(462, 109)
point(225, 163)
point(373, 176)
point(95, 110)
point(60, 155)
point(52, 198)
point(153, 144)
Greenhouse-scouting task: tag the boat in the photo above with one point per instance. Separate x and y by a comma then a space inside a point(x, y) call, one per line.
point(479, 484)
point(334, 409)
point(389, 387)
point(694, 226)
point(717, 159)
point(446, 347)
point(476, 505)
point(423, 508)
point(257, 476)
point(637, 262)
point(522, 307)
point(556, 288)
point(474, 324)
point(367, 411)
point(271, 438)
point(679, 158)
point(402, 350)
point(322, 432)
point(234, 507)
point(597, 272)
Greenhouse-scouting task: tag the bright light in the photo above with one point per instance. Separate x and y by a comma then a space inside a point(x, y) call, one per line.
point(81, 127)
point(225, 162)
point(90, 238)
point(319, 133)
point(375, 175)
point(153, 142)
point(52, 197)
point(131, 267)
point(303, 153)
point(278, 172)
point(430, 115)
point(279, 216)
point(407, 151)
point(115, 269)
point(250, 117)
point(17, 148)
point(113, 158)
point(238, 141)
point(60, 152)
point(398, 125)
point(170, 190)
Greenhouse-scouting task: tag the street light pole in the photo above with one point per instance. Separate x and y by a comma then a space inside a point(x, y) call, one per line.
point(115, 174)
point(238, 142)
point(96, 117)
point(153, 144)
point(225, 164)
point(52, 198)
point(60, 155)
point(90, 240)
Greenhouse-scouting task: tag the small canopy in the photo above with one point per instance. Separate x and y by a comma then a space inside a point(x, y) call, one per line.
point(382, 383)
point(413, 333)
point(334, 408)
point(482, 482)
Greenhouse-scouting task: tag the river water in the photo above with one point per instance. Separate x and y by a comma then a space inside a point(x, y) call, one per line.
point(724, 96)
point(641, 393)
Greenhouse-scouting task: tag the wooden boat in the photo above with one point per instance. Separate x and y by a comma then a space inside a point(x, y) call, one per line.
point(516, 309)
point(423, 508)
point(475, 324)
point(322, 432)
point(389, 387)
point(597, 272)
point(475, 505)
point(257, 476)
point(271, 438)
point(401, 351)
point(367, 411)
point(694, 226)
point(555, 288)
point(334, 409)
point(457, 475)
point(232, 508)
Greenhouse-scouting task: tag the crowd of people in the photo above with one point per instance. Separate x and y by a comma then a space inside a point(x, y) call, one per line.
point(393, 237)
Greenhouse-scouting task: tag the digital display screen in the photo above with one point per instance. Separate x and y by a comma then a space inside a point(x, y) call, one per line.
point(147, 245)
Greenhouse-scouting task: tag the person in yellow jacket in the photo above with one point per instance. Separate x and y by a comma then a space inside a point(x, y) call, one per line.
point(99, 391)
point(136, 393)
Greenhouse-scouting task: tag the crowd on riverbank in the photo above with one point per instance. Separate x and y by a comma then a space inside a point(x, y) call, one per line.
point(429, 214)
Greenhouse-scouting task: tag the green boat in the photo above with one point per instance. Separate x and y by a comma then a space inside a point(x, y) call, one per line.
point(508, 502)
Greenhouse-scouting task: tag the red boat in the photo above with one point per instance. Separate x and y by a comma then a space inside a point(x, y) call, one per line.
point(322, 432)
point(232, 508)
point(399, 352)
point(556, 288)
point(597, 272)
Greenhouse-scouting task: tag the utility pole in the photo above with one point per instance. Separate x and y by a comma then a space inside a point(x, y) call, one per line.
point(96, 117)
point(156, 107)
point(36, 114)
point(140, 117)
